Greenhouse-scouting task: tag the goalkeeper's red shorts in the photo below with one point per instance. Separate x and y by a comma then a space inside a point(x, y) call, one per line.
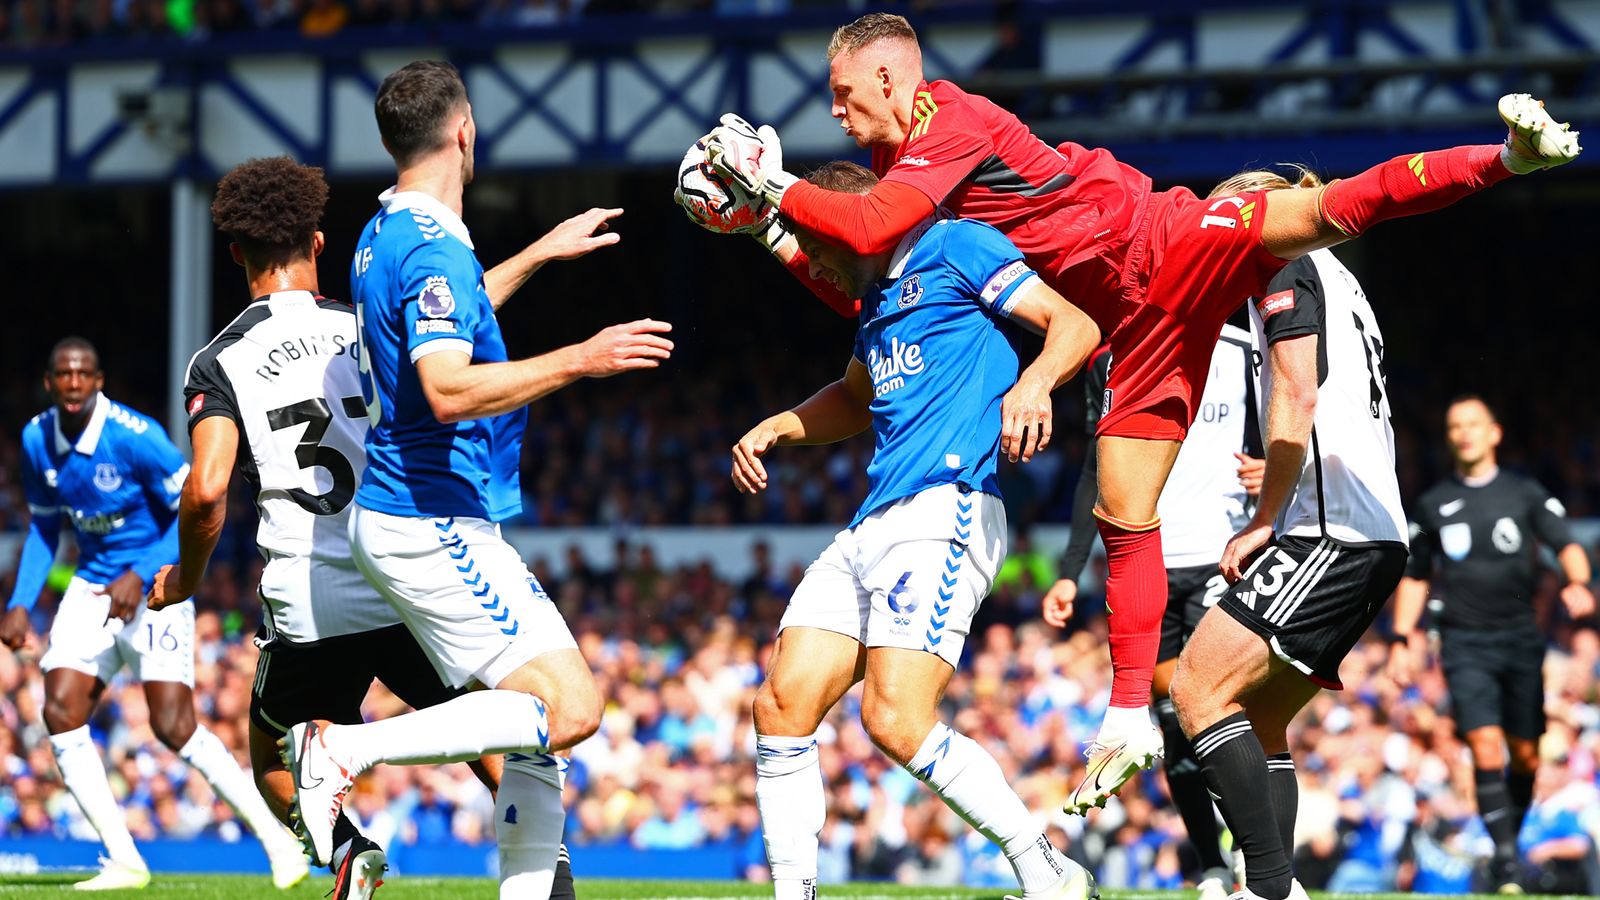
point(1197, 262)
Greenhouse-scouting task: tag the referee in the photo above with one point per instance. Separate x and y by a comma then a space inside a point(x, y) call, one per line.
point(1481, 527)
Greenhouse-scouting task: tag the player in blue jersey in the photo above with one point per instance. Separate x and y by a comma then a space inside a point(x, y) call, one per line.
point(891, 600)
point(447, 415)
point(113, 475)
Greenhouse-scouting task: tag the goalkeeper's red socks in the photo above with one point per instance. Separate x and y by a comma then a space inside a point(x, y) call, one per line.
point(1408, 185)
point(1136, 597)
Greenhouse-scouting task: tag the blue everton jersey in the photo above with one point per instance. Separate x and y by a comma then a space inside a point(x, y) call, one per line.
point(418, 289)
point(931, 339)
point(116, 484)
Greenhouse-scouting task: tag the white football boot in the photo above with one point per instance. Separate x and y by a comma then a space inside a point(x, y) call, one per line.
point(289, 866)
point(1536, 141)
point(1215, 884)
point(1296, 892)
point(1112, 761)
point(322, 777)
point(115, 876)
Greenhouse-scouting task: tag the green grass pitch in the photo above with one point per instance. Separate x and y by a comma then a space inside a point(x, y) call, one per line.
point(224, 887)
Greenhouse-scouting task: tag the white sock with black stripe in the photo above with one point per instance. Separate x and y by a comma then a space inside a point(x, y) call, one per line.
point(1235, 765)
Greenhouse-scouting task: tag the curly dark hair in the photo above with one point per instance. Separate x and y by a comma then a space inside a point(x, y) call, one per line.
point(271, 208)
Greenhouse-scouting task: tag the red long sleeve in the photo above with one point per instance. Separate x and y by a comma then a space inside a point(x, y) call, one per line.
point(800, 268)
point(863, 223)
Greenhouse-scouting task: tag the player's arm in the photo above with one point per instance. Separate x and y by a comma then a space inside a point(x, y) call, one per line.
point(38, 554)
point(1058, 601)
point(202, 510)
point(578, 236)
point(1069, 337)
point(1553, 530)
point(161, 470)
point(838, 411)
point(459, 390)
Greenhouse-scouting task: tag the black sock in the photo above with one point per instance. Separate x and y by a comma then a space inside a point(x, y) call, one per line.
point(1285, 791)
point(562, 888)
point(1187, 785)
point(1494, 806)
point(344, 831)
point(1520, 787)
point(1235, 767)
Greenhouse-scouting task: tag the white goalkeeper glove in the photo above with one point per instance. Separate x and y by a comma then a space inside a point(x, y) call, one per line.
point(751, 156)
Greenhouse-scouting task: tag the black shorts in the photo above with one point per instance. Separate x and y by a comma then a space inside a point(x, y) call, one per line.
point(1190, 592)
point(1495, 678)
point(1311, 599)
point(329, 679)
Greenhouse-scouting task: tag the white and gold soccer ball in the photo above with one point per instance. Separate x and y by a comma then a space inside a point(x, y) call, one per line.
point(712, 201)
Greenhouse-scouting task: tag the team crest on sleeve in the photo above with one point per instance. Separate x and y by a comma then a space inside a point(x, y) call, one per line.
point(106, 477)
point(436, 301)
point(910, 291)
point(195, 402)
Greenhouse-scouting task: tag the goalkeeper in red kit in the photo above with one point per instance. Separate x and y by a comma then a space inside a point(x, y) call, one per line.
point(1158, 272)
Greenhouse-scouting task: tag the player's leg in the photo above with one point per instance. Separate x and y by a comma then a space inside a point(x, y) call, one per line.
point(327, 680)
point(1271, 708)
point(158, 645)
point(1297, 222)
point(1132, 473)
point(811, 668)
point(82, 657)
point(1524, 723)
point(468, 599)
point(1474, 670)
point(1186, 594)
point(899, 709)
point(1222, 665)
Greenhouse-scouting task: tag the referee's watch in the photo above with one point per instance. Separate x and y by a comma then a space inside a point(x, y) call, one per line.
point(1402, 639)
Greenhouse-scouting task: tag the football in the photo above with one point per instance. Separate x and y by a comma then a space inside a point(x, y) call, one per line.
point(712, 201)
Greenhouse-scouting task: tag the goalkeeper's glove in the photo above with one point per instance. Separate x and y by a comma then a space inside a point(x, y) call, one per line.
point(771, 233)
point(751, 156)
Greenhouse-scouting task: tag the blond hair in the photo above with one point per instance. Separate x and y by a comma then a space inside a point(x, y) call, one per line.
point(869, 29)
point(1266, 180)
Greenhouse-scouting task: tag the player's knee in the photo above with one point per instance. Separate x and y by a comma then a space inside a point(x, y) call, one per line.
point(782, 708)
point(893, 729)
point(59, 716)
point(578, 717)
point(1192, 705)
point(173, 727)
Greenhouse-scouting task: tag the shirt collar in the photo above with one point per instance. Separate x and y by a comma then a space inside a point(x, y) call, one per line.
point(394, 201)
point(279, 298)
point(897, 262)
point(90, 438)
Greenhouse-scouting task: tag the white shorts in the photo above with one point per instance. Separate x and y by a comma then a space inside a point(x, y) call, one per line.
point(911, 575)
point(462, 590)
point(158, 645)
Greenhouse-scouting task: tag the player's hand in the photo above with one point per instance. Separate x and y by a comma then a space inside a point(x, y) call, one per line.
point(752, 157)
point(1058, 601)
point(1252, 472)
point(14, 630)
point(1579, 600)
point(625, 347)
point(1025, 418)
point(168, 589)
point(1241, 547)
point(125, 592)
point(580, 235)
point(749, 475)
point(1402, 665)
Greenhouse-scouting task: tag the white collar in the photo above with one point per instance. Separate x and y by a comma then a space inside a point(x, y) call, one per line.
point(282, 298)
point(1478, 481)
point(90, 438)
point(425, 204)
point(897, 262)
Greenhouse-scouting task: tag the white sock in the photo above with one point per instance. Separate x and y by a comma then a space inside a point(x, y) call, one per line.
point(793, 808)
point(970, 782)
point(460, 730)
point(1123, 720)
point(210, 757)
point(85, 776)
point(528, 821)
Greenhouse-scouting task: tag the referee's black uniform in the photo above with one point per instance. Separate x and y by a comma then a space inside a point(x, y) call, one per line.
point(1478, 543)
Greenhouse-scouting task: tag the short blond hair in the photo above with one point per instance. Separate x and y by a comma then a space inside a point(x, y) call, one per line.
point(1266, 180)
point(869, 29)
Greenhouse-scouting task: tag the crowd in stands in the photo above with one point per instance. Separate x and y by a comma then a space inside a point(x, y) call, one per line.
point(1385, 782)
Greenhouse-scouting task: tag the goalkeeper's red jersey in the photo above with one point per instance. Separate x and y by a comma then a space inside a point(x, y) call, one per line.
point(1073, 212)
